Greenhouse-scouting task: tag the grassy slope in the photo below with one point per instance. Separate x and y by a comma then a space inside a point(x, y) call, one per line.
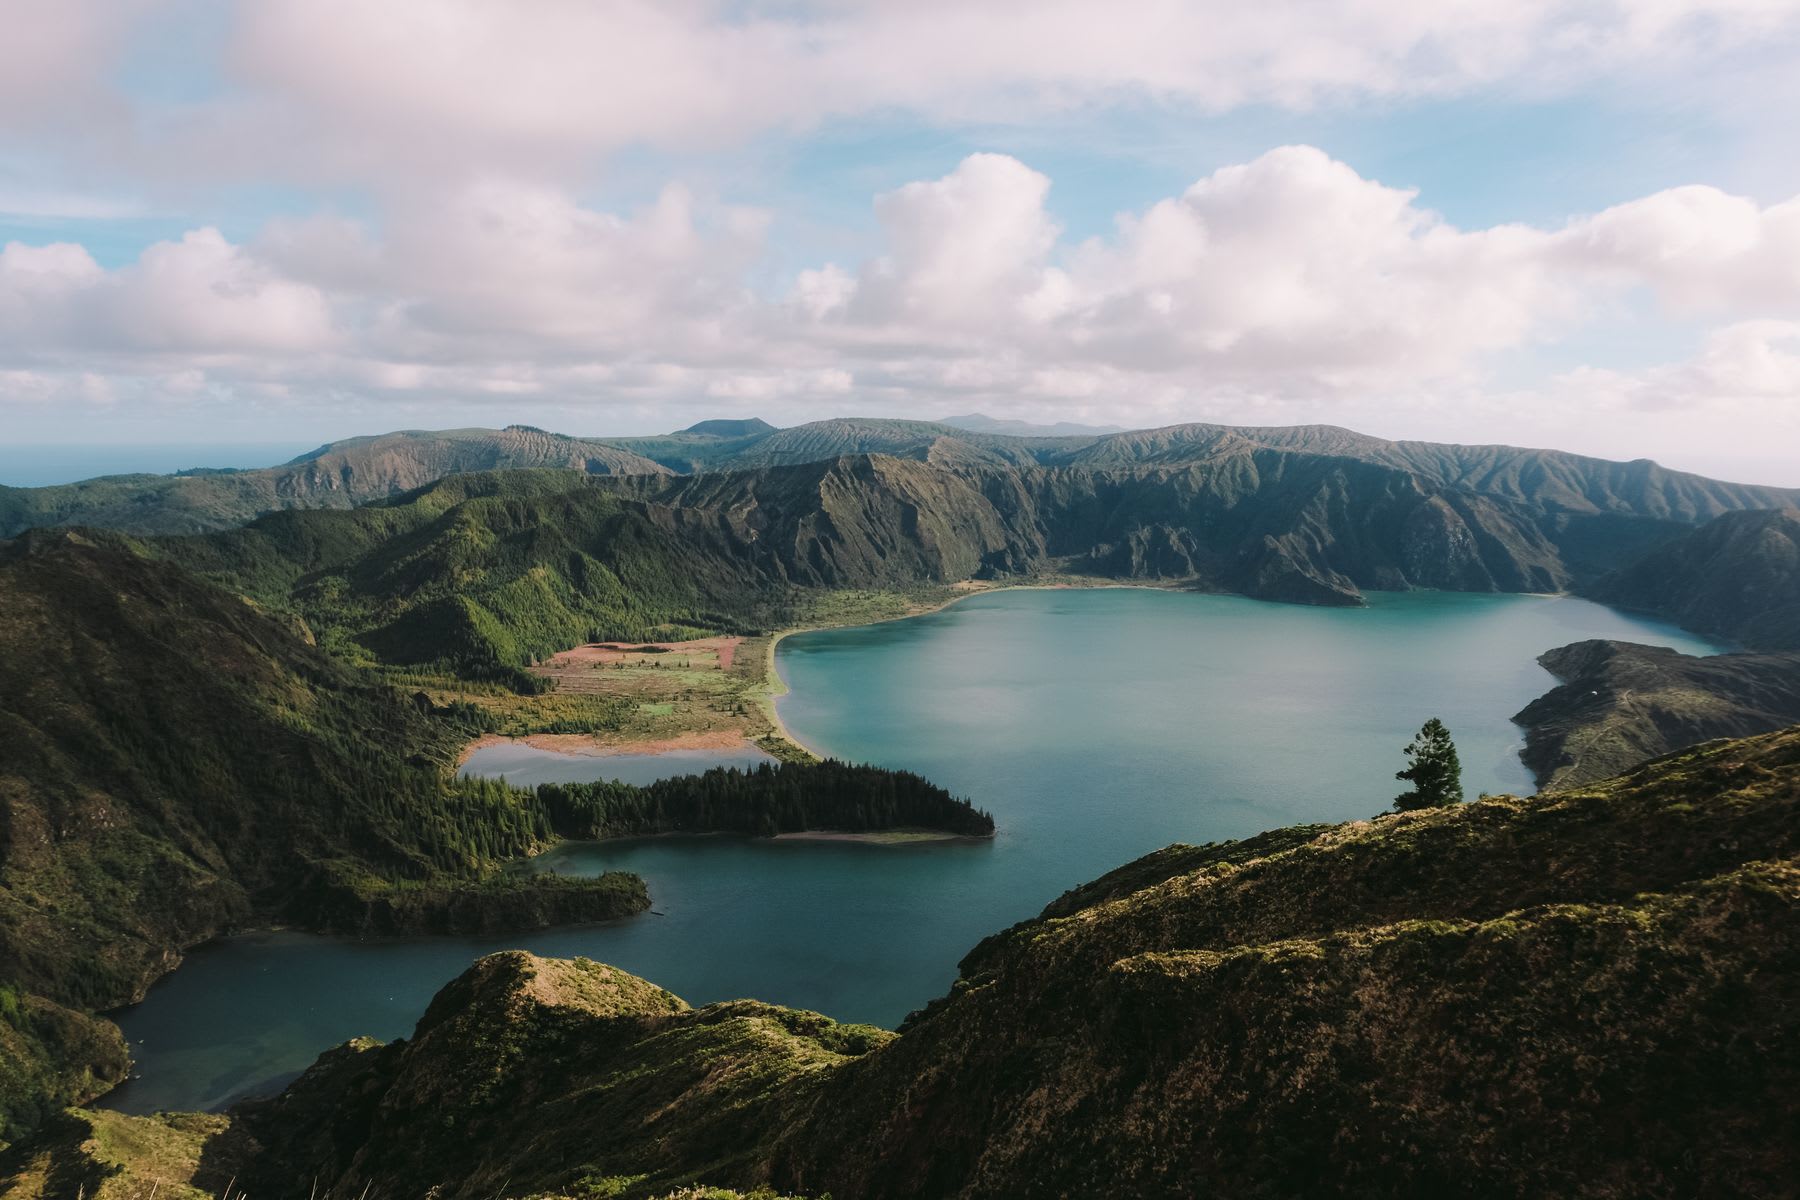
point(1593, 992)
point(178, 761)
point(182, 760)
point(1736, 577)
point(1620, 704)
point(485, 572)
point(1481, 999)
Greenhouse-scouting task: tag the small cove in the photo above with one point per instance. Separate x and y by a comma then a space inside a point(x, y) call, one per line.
point(1095, 724)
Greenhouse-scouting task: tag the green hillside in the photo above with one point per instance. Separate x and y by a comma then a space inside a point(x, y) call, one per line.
point(1641, 502)
point(1587, 993)
point(1736, 577)
point(181, 760)
point(1619, 704)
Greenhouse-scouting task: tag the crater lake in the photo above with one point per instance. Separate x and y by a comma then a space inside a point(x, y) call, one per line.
point(1095, 724)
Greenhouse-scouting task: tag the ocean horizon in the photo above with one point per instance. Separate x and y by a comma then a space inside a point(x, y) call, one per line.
point(70, 462)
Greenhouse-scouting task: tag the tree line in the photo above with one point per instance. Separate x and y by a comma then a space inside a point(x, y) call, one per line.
point(762, 801)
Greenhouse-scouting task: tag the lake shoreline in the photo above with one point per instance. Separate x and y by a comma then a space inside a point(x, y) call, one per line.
point(781, 742)
point(1079, 784)
point(774, 686)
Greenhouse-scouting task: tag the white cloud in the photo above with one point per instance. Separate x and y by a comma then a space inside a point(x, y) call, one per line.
point(1698, 248)
point(1286, 288)
point(1292, 265)
point(971, 246)
point(388, 90)
point(1751, 367)
point(54, 58)
point(198, 296)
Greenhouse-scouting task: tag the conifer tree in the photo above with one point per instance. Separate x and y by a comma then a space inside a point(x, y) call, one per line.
point(1432, 769)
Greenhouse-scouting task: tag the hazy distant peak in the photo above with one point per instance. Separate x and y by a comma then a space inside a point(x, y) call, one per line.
point(981, 423)
point(724, 428)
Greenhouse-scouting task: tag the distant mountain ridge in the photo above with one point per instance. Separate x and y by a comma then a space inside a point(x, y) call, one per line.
point(982, 423)
point(748, 427)
point(484, 571)
point(1638, 494)
point(337, 475)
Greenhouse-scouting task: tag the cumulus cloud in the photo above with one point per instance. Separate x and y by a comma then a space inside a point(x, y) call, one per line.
point(971, 246)
point(197, 296)
point(1698, 247)
point(1749, 366)
point(1288, 287)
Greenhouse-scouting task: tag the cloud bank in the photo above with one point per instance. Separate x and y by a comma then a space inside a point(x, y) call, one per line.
point(1289, 286)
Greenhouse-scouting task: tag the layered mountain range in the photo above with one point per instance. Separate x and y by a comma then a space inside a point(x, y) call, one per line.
point(1307, 513)
point(339, 475)
point(192, 744)
point(360, 469)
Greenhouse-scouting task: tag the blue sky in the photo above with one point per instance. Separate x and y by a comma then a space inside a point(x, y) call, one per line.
point(1566, 224)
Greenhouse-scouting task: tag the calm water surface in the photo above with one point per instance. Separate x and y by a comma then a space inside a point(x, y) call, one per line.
point(1096, 725)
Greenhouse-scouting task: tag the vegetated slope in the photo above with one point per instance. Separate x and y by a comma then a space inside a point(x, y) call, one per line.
point(180, 760)
point(337, 475)
point(1552, 480)
point(1600, 513)
point(1265, 523)
point(1587, 993)
point(1737, 577)
point(1620, 704)
point(484, 572)
point(177, 760)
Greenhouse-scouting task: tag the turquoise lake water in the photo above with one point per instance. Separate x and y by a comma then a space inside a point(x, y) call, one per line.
point(1096, 725)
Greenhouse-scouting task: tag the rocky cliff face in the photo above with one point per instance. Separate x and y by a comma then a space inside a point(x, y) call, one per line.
point(1588, 993)
point(1634, 502)
point(1263, 522)
point(1621, 704)
point(1736, 577)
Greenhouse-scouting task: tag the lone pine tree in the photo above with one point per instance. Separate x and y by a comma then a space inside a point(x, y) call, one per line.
point(1432, 769)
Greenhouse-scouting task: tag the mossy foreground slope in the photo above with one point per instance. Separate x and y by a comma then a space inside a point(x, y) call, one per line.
point(1592, 992)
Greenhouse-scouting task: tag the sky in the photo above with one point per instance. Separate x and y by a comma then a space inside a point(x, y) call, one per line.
point(1564, 223)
